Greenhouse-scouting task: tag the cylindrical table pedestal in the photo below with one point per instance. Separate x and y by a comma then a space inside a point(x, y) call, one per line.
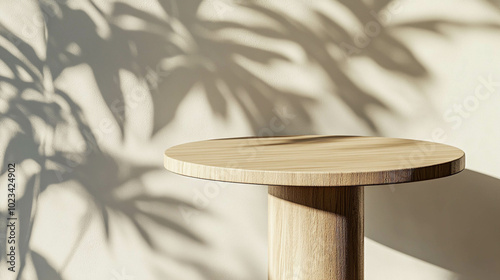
point(315, 233)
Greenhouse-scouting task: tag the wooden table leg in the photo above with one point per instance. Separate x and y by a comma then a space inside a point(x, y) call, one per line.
point(315, 233)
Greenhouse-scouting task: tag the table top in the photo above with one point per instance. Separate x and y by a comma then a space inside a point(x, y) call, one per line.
point(315, 160)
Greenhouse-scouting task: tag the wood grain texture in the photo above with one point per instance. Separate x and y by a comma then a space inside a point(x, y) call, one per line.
point(315, 233)
point(315, 160)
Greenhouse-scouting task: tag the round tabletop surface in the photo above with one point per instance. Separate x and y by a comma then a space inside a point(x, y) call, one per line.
point(315, 160)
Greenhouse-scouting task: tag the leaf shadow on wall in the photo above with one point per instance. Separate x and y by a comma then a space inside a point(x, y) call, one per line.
point(179, 51)
point(449, 222)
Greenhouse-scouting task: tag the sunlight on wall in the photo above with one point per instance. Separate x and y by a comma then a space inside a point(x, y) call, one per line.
point(93, 95)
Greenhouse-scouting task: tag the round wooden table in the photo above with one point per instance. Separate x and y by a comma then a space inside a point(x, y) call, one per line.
point(315, 184)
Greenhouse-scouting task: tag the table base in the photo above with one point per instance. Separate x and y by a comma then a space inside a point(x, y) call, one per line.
point(315, 233)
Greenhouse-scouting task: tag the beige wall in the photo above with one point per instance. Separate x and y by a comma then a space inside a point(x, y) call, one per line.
point(93, 95)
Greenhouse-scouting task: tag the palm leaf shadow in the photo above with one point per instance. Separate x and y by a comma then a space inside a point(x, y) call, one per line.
point(67, 48)
point(186, 53)
point(103, 178)
point(208, 62)
point(44, 270)
point(24, 144)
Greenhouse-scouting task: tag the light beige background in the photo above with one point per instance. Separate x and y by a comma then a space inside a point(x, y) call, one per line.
point(93, 92)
